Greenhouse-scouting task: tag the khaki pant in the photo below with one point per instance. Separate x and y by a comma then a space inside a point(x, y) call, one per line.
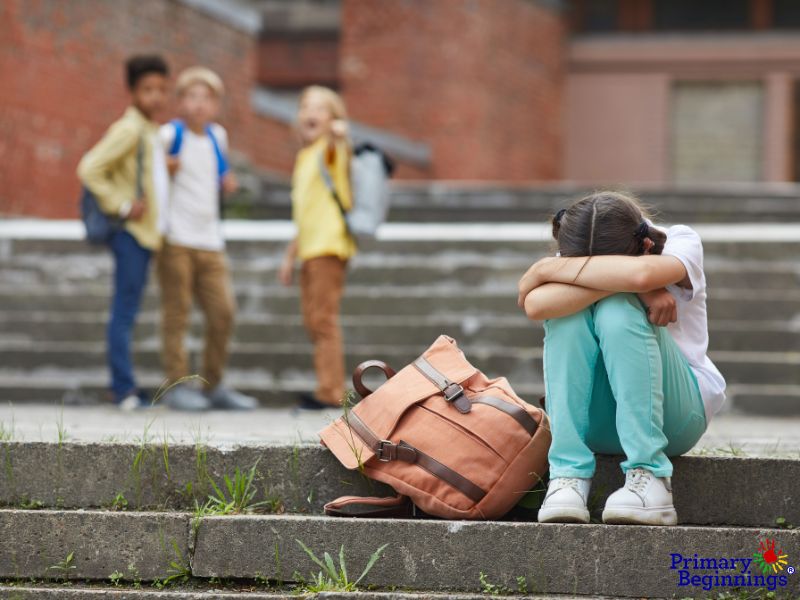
point(321, 287)
point(184, 274)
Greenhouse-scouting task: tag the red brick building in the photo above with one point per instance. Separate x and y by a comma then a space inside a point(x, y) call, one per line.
point(587, 91)
point(453, 89)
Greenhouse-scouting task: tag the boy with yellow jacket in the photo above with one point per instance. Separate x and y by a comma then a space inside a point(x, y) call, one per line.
point(129, 151)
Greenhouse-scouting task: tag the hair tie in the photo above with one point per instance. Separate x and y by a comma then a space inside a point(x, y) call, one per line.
point(642, 231)
point(559, 215)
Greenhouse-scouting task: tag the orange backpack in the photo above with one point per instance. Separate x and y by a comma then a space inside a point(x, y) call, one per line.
point(457, 444)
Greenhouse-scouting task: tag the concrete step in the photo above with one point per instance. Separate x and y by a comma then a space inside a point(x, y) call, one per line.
point(723, 304)
point(569, 559)
point(281, 360)
point(257, 240)
point(467, 268)
point(511, 330)
point(595, 560)
point(157, 473)
point(448, 202)
point(87, 387)
point(198, 589)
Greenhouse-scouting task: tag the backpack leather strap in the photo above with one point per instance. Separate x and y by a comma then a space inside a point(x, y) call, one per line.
point(392, 506)
point(387, 451)
point(517, 413)
point(452, 391)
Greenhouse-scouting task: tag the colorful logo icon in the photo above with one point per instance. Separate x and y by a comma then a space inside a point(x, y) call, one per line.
point(768, 558)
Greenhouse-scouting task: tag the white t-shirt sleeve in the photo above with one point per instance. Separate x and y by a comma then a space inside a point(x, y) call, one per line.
point(166, 133)
point(684, 244)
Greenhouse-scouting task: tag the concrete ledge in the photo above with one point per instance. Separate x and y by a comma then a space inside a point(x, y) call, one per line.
point(203, 593)
point(138, 545)
point(77, 475)
point(572, 559)
point(303, 478)
point(113, 593)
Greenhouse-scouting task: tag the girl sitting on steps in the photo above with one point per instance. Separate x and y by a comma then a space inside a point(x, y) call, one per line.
point(625, 364)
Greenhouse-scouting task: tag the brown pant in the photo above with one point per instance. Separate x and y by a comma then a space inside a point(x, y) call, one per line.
point(186, 273)
point(321, 287)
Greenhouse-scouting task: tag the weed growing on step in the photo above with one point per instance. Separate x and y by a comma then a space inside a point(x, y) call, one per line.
point(165, 453)
point(198, 487)
point(115, 578)
point(119, 502)
point(31, 504)
point(347, 403)
point(333, 578)
point(240, 495)
point(8, 467)
point(493, 589)
point(61, 430)
point(178, 569)
point(781, 523)
point(134, 576)
point(141, 457)
point(64, 567)
point(7, 432)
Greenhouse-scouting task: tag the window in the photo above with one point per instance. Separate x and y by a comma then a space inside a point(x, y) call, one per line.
point(692, 15)
point(599, 15)
point(786, 14)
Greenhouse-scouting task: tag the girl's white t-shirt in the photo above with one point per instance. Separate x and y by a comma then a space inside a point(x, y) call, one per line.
point(690, 332)
point(193, 213)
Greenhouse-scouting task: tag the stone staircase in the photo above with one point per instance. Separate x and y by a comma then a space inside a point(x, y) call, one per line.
point(119, 519)
point(81, 519)
point(416, 282)
point(470, 202)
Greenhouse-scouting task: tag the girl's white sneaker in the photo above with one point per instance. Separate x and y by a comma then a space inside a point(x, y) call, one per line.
point(644, 500)
point(565, 501)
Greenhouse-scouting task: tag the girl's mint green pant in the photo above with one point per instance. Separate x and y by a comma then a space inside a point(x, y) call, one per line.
point(617, 384)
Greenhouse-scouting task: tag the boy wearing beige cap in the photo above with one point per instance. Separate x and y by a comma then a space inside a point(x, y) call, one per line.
point(192, 262)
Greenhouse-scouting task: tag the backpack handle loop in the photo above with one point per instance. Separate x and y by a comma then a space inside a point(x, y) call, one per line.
point(362, 389)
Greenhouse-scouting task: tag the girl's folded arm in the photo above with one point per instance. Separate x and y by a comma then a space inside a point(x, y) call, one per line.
point(611, 272)
point(556, 300)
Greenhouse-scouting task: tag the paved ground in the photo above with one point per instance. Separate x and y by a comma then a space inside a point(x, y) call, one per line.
point(729, 434)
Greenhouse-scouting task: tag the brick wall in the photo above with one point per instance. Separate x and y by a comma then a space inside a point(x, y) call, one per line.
point(62, 85)
point(289, 60)
point(480, 80)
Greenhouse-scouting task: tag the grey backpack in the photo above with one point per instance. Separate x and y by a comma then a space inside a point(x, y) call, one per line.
point(370, 170)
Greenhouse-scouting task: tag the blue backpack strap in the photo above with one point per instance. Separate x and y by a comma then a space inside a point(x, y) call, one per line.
point(177, 141)
point(222, 162)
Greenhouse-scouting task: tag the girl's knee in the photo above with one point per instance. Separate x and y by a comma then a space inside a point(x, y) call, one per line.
point(617, 309)
point(569, 325)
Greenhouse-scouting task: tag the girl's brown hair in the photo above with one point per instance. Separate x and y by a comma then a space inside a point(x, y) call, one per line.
point(605, 223)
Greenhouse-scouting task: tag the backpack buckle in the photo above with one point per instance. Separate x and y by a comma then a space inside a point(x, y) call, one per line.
point(453, 392)
point(379, 451)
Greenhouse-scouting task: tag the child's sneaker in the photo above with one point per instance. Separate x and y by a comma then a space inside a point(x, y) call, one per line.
point(184, 398)
point(134, 401)
point(565, 501)
point(644, 500)
point(223, 398)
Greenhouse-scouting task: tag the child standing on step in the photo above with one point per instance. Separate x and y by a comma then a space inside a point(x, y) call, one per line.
point(625, 363)
point(323, 243)
point(126, 172)
point(192, 262)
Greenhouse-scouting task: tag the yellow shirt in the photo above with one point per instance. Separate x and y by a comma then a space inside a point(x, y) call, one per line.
point(321, 229)
point(109, 171)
